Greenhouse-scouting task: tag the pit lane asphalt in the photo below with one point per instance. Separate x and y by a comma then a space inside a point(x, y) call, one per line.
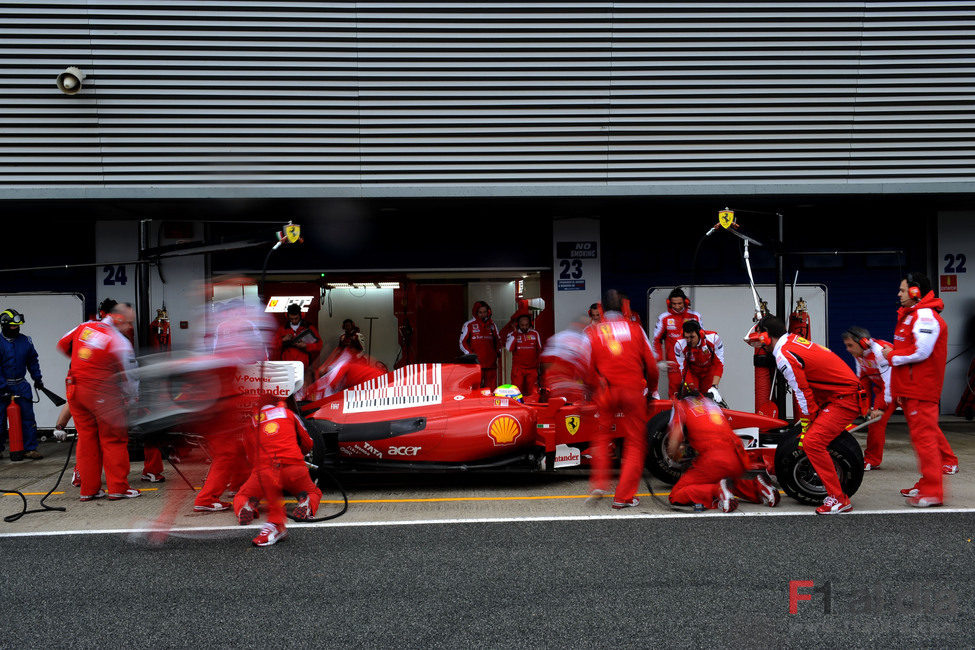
point(603, 579)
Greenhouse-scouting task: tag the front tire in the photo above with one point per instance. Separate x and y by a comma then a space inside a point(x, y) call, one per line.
point(659, 462)
point(799, 480)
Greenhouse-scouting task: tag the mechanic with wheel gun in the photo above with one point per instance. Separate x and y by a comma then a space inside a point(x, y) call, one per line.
point(874, 373)
point(626, 374)
point(276, 445)
point(700, 357)
point(716, 476)
point(828, 395)
point(917, 376)
point(18, 357)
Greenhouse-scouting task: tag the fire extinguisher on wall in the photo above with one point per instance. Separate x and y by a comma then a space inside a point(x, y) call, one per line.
point(799, 320)
point(160, 338)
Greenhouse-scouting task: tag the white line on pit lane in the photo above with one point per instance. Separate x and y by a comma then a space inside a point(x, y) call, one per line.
point(621, 516)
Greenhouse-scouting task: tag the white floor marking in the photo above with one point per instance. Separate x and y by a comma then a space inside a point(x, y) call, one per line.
point(619, 516)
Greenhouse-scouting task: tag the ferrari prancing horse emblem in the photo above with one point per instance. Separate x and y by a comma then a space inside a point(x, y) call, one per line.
point(572, 423)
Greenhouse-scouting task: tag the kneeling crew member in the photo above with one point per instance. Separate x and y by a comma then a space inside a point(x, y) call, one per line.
point(715, 477)
point(828, 395)
point(277, 447)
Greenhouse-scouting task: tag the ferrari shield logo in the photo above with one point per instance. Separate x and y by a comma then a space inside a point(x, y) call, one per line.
point(293, 233)
point(726, 218)
point(572, 423)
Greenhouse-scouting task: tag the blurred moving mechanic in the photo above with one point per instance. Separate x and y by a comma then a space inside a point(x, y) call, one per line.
point(346, 370)
point(479, 336)
point(241, 337)
point(828, 395)
point(700, 358)
point(276, 445)
point(716, 476)
point(18, 357)
point(565, 363)
point(297, 340)
point(98, 392)
point(918, 360)
point(626, 374)
point(874, 373)
point(525, 345)
point(668, 331)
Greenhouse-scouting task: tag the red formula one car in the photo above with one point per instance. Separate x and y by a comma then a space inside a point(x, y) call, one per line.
point(434, 417)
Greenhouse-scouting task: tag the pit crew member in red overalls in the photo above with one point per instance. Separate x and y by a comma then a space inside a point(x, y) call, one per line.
point(297, 340)
point(97, 392)
point(715, 477)
point(351, 337)
point(242, 337)
point(277, 446)
point(565, 363)
point(668, 331)
point(827, 393)
point(917, 376)
point(525, 345)
point(626, 373)
point(479, 336)
point(874, 373)
point(700, 357)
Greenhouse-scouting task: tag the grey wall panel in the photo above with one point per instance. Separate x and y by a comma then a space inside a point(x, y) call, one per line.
point(347, 98)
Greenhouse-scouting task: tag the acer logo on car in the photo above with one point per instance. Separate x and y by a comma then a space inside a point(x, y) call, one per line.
point(403, 451)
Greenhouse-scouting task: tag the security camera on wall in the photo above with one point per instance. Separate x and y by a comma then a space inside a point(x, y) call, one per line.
point(69, 81)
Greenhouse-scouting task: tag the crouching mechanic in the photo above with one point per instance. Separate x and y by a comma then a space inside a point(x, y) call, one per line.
point(700, 357)
point(277, 446)
point(716, 476)
point(827, 393)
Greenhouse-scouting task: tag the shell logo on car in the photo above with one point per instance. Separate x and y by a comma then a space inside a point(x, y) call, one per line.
point(504, 430)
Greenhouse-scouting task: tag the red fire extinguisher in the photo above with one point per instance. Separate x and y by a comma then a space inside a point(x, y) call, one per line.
point(15, 430)
point(799, 320)
point(160, 338)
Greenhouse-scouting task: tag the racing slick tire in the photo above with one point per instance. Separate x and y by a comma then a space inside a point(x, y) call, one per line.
point(799, 480)
point(659, 462)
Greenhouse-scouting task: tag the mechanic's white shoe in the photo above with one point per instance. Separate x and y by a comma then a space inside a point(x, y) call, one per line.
point(949, 469)
point(149, 477)
point(247, 513)
point(91, 497)
point(632, 503)
point(726, 500)
point(270, 534)
point(869, 466)
point(910, 492)
point(302, 511)
point(833, 506)
point(770, 495)
point(924, 502)
point(216, 506)
point(131, 493)
point(595, 495)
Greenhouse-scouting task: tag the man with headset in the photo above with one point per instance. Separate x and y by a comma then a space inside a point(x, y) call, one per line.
point(917, 361)
point(666, 334)
point(18, 357)
point(827, 393)
point(874, 373)
point(700, 358)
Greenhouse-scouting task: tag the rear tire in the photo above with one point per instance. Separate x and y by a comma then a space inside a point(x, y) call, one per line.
point(799, 480)
point(659, 462)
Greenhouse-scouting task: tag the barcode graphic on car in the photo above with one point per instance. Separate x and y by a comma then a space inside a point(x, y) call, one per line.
point(415, 385)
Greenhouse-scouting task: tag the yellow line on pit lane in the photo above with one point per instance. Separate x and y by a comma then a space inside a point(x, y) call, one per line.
point(40, 494)
point(448, 499)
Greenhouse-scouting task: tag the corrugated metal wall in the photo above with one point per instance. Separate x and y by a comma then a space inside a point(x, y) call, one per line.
point(486, 98)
